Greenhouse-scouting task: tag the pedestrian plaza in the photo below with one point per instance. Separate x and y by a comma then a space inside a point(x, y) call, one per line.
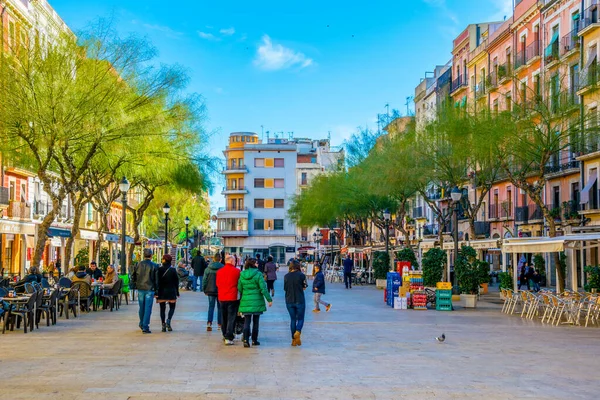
point(360, 349)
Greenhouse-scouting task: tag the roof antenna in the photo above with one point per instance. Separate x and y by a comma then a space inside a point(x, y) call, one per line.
point(262, 132)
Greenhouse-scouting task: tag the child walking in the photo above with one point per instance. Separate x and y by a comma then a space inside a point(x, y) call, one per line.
point(319, 290)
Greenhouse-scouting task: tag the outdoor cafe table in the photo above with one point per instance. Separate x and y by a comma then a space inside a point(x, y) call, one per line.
point(97, 292)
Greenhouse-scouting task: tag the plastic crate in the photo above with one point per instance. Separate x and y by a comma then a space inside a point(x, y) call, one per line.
point(444, 285)
point(443, 302)
point(443, 294)
point(443, 307)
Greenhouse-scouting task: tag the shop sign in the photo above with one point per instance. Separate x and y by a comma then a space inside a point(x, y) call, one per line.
point(88, 235)
point(17, 228)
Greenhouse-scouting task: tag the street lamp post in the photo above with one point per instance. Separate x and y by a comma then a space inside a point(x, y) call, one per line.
point(386, 217)
point(166, 209)
point(456, 195)
point(124, 188)
point(187, 242)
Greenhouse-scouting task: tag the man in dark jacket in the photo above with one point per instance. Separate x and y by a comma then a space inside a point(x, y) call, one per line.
point(209, 287)
point(199, 266)
point(144, 279)
point(348, 266)
point(294, 284)
point(94, 272)
point(227, 284)
point(319, 290)
point(260, 263)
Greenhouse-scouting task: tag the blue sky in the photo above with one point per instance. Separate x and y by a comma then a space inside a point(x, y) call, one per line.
point(307, 67)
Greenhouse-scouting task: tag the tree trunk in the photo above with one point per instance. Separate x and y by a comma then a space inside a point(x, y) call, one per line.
point(561, 278)
point(78, 208)
point(43, 233)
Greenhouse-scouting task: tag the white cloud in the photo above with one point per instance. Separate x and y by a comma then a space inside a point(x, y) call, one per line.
point(228, 31)
point(159, 28)
point(273, 57)
point(207, 36)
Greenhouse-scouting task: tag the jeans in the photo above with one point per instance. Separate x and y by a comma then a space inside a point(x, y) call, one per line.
point(296, 312)
point(145, 300)
point(534, 285)
point(348, 279)
point(317, 300)
point(195, 284)
point(211, 309)
point(229, 311)
point(254, 319)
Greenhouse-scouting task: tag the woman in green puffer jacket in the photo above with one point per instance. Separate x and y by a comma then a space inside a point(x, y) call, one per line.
point(253, 289)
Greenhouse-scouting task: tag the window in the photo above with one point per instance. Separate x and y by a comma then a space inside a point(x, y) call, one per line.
point(313, 160)
point(259, 183)
point(259, 203)
point(269, 163)
point(523, 93)
point(574, 99)
point(304, 179)
point(537, 88)
point(240, 204)
point(259, 224)
point(241, 162)
point(278, 224)
point(556, 197)
point(279, 183)
point(23, 193)
point(269, 183)
point(575, 193)
point(279, 163)
point(233, 204)
point(269, 203)
point(279, 203)
point(304, 233)
point(495, 106)
point(509, 102)
point(259, 162)
point(233, 163)
point(12, 190)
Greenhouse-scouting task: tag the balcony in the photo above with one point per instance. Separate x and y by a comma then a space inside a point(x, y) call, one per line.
point(233, 233)
point(588, 79)
point(520, 60)
point(535, 213)
point(493, 213)
point(532, 52)
point(482, 228)
point(4, 196)
point(417, 212)
point(492, 81)
point(522, 215)
point(234, 190)
point(235, 169)
point(504, 72)
point(430, 229)
point(589, 22)
point(571, 209)
point(551, 54)
point(569, 43)
point(458, 84)
point(19, 210)
point(480, 90)
point(557, 167)
point(233, 209)
point(506, 210)
point(39, 208)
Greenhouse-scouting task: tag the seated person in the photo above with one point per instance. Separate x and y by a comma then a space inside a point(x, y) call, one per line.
point(34, 276)
point(72, 272)
point(82, 276)
point(94, 271)
point(110, 279)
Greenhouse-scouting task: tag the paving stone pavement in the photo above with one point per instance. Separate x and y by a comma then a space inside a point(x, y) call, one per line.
point(360, 350)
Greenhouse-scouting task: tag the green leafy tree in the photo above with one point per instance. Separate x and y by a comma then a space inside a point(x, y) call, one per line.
point(408, 254)
point(433, 266)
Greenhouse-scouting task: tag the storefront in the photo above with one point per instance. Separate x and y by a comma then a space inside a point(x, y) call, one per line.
point(16, 246)
point(55, 245)
point(87, 239)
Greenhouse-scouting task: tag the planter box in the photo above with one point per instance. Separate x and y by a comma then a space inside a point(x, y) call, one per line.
point(381, 283)
point(470, 300)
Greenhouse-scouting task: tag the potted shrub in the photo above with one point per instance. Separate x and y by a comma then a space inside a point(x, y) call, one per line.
point(433, 266)
point(483, 268)
point(381, 266)
point(593, 278)
point(468, 275)
point(555, 213)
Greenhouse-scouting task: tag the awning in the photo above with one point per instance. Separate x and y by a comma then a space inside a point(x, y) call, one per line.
point(427, 244)
point(129, 239)
point(111, 237)
point(548, 51)
point(88, 235)
point(450, 245)
point(305, 248)
point(585, 193)
point(548, 244)
point(591, 58)
point(17, 227)
point(59, 232)
point(483, 244)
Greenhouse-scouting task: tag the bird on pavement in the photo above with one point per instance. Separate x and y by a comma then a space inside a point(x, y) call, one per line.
point(441, 338)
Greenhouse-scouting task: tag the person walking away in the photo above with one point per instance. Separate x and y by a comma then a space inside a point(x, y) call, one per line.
point(319, 290)
point(522, 277)
point(167, 291)
point(536, 279)
point(260, 263)
point(529, 276)
point(199, 266)
point(294, 284)
point(209, 287)
point(227, 287)
point(271, 272)
point(143, 278)
point(253, 292)
point(348, 266)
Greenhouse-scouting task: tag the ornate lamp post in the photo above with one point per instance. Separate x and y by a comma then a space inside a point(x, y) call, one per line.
point(166, 209)
point(187, 242)
point(456, 195)
point(124, 188)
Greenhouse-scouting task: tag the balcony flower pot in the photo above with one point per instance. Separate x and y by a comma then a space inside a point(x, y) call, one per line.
point(470, 300)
